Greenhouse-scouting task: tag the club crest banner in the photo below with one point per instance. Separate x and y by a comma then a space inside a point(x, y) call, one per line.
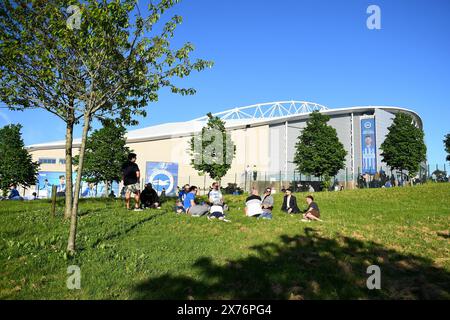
point(162, 175)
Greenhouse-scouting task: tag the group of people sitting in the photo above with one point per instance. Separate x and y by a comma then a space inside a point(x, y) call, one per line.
point(255, 206)
point(14, 194)
point(261, 208)
point(213, 208)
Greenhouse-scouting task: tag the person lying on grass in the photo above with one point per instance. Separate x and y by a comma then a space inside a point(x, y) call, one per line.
point(313, 211)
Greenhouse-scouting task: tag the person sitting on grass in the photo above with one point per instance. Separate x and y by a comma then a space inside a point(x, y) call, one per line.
point(182, 194)
point(195, 210)
point(216, 211)
point(149, 198)
point(253, 205)
point(267, 204)
point(313, 211)
point(13, 193)
point(290, 203)
point(215, 199)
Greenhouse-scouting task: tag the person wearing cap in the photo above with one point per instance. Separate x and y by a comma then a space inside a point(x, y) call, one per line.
point(290, 203)
point(149, 197)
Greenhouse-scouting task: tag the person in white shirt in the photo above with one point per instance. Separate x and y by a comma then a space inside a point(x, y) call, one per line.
point(253, 206)
point(215, 196)
point(215, 199)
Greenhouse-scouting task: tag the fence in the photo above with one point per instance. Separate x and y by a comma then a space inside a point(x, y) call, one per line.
point(298, 181)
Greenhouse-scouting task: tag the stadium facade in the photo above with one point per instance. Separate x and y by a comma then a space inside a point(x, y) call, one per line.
point(264, 134)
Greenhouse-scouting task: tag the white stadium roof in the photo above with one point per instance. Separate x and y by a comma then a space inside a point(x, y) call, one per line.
point(258, 114)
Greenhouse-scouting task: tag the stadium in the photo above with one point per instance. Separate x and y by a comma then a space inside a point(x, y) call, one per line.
point(265, 136)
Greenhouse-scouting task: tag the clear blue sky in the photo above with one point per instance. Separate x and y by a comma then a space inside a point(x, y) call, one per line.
point(313, 50)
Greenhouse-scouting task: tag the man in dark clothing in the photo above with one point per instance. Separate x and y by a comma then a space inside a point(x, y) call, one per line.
point(149, 197)
point(14, 194)
point(313, 211)
point(131, 176)
point(290, 203)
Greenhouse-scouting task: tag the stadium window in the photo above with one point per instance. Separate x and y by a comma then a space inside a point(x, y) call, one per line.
point(62, 161)
point(47, 161)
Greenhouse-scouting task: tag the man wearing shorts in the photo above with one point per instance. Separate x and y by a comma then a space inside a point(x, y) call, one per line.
point(131, 176)
point(313, 211)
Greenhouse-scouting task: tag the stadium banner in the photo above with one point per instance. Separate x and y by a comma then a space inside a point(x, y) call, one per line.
point(368, 146)
point(162, 175)
point(92, 190)
point(47, 179)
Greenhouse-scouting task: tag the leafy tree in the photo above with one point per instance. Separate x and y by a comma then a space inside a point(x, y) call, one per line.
point(404, 148)
point(318, 150)
point(212, 150)
point(106, 151)
point(16, 165)
point(441, 176)
point(447, 146)
point(111, 63)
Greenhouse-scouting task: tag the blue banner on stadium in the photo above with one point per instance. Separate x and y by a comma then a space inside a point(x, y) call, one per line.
point(47, 179)
point(162, 175)
point(368, 146)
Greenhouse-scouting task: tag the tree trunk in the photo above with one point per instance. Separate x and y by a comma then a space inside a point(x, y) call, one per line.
point(76, 196)
point(69, 186)
point(107, 188)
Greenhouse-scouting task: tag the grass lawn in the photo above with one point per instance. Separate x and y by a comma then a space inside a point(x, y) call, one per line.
point(156, 254)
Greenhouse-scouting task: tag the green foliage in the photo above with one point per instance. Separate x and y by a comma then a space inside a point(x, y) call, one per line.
point(447, 146)
point(16, 165)
point(106, 151)
point(405, 233)
point(213, 150)
point(404, 147)
point(441, 176)
point(109, 66)
point(318, 150)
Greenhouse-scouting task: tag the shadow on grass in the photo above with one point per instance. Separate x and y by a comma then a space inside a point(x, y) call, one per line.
point(305, 267)
point(126, 230)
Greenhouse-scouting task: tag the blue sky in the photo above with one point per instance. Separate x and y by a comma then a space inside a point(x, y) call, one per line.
point(313, 50)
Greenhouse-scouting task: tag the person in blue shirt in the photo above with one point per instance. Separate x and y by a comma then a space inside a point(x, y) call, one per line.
point(179, 207)
point(191, 207)
point(182, 194)
point(14, 194)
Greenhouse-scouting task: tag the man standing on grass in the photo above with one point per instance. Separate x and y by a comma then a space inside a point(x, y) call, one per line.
point(131, 176)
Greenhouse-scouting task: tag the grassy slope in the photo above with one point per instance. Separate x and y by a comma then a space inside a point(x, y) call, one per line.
point(156, 254)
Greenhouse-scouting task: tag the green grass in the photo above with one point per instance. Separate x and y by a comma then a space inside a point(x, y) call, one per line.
point(158, 255)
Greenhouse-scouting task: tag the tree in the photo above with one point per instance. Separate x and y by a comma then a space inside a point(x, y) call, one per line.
point(106, 151)
point(16, 165)
point(441, 176)
point(404, 148)
point(318, 150)
point(103, 61)
point(447, 146)
point(212, 150)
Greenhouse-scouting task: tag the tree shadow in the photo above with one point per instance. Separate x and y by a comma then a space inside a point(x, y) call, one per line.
point(305, 267)
point(126, 230)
